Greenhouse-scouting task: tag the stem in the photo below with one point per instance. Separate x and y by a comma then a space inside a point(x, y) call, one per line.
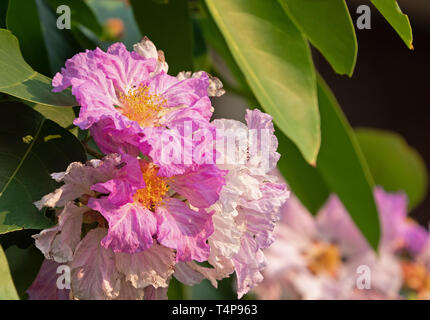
point(92, 152)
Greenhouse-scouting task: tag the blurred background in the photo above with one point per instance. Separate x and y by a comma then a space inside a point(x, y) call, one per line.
point(390, 86)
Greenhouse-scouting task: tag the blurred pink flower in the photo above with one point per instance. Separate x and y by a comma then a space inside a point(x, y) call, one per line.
point(319, 257)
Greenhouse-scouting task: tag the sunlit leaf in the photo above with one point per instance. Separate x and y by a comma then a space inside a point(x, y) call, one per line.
point(7, 288)
point(31, 147)
point(328, 26)
point(397, 19)
point(276, 61)
point(394, 164)
point(24, 266)
point(18, 79)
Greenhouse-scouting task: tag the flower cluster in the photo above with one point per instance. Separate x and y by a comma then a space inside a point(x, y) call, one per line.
point(168, 193)
point(326, 257)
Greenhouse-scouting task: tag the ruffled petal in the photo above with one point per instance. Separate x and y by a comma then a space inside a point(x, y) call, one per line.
point(93, 272)
point(128, 292)
point(152, 267)
point(176, 92)
point(58, 243)
point(184, 229)
point(201, 187)
point(263, 142)
point(126, 69)
point(152, 293)
point(78, 179)
point(131, 227)
point(248, 264)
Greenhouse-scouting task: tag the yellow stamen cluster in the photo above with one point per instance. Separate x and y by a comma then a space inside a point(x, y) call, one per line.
point(323, 258)
point(142, 106)
point(155, 189)
point(416, 278)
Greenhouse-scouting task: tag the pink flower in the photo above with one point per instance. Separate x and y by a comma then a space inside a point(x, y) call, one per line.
point(136, 224)
point(321, 257)
point(248, 207)
point(128, 101)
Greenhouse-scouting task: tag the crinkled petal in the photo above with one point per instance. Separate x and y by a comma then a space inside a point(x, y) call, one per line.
point(263, 142)
point(201, 187)
point(248, 263)
point(58, 243)
point(126, 69)
point(128, 292)
point(152, 293)
point(176, 92)
point(131, 227)
point(128, 178)
point(93, 272)
point(183, 229)
point(78, 179)
point(152, 267)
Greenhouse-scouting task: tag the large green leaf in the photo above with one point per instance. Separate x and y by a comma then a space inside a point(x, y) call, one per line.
point(169, 26)
point(343, 166)
point(7, 288)
point(276, 61)
point(303, 179)
point(24, 266)
point(328, 26)
point(396, 18)
point(31, 147)
point(394, 164)
point(18, 79)
point(23, 21)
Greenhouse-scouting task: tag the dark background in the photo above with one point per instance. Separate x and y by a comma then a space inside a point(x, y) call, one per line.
point(390, 86)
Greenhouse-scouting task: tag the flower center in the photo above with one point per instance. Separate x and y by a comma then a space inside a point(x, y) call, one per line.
point(155, 189)
point(323, 258)
point(142, 106)
point(416, 278)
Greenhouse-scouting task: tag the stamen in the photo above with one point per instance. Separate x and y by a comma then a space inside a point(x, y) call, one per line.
point(156, 187)
point(323, 258)
point(142, 106)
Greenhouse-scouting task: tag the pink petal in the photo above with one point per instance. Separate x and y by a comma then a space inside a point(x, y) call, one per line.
point(184, 229)
point(93, 272)
point(131, 226)
point(152, 267)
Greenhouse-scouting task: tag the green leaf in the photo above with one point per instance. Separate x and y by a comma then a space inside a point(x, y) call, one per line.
point(7, 288)
point(24, 266)
point(343, 167)
point(276, 61)
point(60, 44)
point(18, 79)
point(215, 39)
point(303, 179)
point(328, 26)
point(394, 164)
point(62, 116)
point(23, 20)
point(169, 27)
point(31, 148)
point(396, 18)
